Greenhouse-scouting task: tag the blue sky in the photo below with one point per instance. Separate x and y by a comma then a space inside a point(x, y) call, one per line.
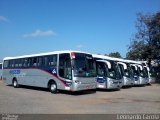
point(96, 26)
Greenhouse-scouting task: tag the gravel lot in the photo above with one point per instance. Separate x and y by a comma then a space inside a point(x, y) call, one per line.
point(37, 100)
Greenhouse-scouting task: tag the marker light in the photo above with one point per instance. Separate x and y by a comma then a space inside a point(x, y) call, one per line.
point(73, 55)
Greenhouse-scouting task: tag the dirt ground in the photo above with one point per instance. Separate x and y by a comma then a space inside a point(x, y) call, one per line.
point(33, 100)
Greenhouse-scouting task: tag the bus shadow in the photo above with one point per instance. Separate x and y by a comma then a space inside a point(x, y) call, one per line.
point(75, 93)
point(108, 90)
point(138, 85)
point(34, 88)
point(127, 87)
point(149, 84)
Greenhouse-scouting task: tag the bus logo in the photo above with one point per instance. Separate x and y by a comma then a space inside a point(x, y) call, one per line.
point(54, 71)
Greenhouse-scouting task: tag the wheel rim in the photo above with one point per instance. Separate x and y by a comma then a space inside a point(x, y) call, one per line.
point(15, 83)
point(53, 87)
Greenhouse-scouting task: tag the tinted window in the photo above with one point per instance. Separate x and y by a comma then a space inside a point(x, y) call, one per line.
point(145, 72)
point(11, 63)
point(65, 70)
point(122, 69)
point(25, 62)
point(101, 69)
point(5, 64)
point(84, 65)
point(50, 60)
point(115, 71)
point(135, 72)
point(0, 66)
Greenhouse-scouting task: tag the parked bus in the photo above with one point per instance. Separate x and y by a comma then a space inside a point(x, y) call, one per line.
point(59, 70)
point(126, 72)
point(140, 76)
point(0, 71)
point(108, 73)
point(148, 71)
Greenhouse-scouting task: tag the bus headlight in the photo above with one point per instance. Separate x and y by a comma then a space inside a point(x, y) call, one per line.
point(111, 81)
point(69, 83)
point(77, 81)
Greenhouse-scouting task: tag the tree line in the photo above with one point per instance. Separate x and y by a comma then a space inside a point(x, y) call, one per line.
point(145, 43)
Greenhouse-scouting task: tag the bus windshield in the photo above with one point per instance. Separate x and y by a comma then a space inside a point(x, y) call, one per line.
point(114, 71)
point(124, 72)
point(101, 69)
point(84, 65)
point(145, 71)
point(135, 72)
point(141, 72)
point(130, 71)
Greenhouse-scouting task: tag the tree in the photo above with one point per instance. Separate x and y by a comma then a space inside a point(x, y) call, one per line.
point(115, 54)
point(145, 44)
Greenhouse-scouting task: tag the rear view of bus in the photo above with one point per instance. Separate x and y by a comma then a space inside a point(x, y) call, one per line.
point(108, 73)
point(59, 70)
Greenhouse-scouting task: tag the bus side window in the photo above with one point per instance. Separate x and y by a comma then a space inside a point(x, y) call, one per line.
point(29, 62)
point(11, 63)
point(25, 62)
point(20, 62)
point(16, 63)
point(34, 61)
point(5, 65)
point(39, 61)
point(45, 61)
point(53, 60)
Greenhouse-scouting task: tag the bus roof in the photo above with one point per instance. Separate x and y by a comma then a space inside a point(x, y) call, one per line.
point(43, 54)
point(124, 64)
point(102, 57)
point(106, 62)
point(132, 61)
point(117, 59)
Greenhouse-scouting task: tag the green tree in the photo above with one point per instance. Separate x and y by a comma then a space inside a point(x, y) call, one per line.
point(145, 44)
point(115, 54)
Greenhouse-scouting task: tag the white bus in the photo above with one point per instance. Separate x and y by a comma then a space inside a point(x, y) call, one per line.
point(63, 70)
point(126, 72)
point(147, 74)
point(108, 73)
point(139, 72)
point(147, 69)
point(0, 71)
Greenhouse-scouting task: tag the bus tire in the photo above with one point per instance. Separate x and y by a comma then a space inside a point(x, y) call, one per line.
point(53, 87)
point(15, 83)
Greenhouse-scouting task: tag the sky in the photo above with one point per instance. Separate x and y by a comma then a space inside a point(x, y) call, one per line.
point(95, 26)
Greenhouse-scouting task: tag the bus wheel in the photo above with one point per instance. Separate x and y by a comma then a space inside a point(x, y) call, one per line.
point(53, 87)
point(15, 83)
